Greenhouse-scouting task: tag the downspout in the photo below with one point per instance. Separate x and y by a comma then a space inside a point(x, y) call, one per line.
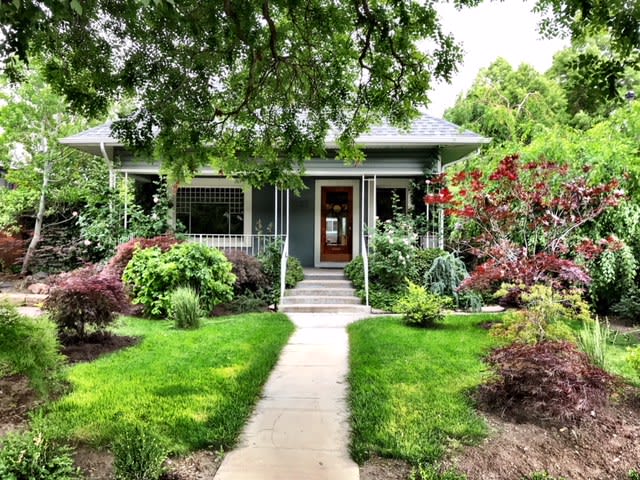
point(112, 175)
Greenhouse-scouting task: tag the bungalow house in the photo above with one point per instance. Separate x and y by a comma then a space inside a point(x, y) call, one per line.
point(324, 226)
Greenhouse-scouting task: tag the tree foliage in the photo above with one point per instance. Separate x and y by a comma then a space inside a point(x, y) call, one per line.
point(595, 78)
point(229, 82)
point(509, 105)
point(520, 219)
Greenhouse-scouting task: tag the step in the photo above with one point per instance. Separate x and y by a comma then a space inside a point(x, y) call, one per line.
point(324, 284)
point(321, 299)
point(320, 308)
point(325, 276)
point(329, 292)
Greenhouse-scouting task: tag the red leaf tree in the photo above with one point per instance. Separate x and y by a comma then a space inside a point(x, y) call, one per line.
point(519, 220)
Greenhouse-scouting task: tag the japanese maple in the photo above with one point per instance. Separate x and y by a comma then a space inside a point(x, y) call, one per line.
point(519, 220)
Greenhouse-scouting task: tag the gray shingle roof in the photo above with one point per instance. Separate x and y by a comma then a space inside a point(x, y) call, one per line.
point(425, 130)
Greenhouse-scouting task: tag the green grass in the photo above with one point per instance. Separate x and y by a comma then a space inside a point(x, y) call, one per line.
point(410, 386)
point(195, 388)
point(617, 358)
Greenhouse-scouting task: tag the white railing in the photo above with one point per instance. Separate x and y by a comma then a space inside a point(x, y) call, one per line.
point(431, 240)
point(365, 265)
point(250, 244)
point(283, 267)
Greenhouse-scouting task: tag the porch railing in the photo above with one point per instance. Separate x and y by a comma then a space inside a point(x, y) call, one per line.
point(283, 267)
point(250, 244)
point(365, 265)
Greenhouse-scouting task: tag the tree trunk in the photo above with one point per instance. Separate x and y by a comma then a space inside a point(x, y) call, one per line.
point(33, 244)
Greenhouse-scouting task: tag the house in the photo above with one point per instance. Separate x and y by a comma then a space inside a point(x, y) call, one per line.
point(324, 226)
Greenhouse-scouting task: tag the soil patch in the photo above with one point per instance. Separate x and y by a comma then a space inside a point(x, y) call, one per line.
point(95, 346)
point(17, 399)
point(604, 447)
point(378, 468)
point(97, 464)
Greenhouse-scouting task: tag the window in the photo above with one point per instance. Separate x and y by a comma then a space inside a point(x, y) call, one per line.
point(211, 210)
point(385, 201)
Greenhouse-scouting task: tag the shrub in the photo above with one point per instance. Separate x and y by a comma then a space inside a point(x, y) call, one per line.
point(383, 299)
point(634, 475)
point(152, 276)
point(28, 346)
point(270, 258)
point(11, 251)
point(248, 272)
point(249, 302)
point(30, 455)
point(354, 271)
point(422, 261)
point(444, 277)
point(420, 307)
point(393, 251)
point(83, 299)
point(184, 308)
point(545, 317)
point(548, 380)
point(124, 252)
point(594, 341)
point(295, 272)
point(138, 455)
point(628, 308)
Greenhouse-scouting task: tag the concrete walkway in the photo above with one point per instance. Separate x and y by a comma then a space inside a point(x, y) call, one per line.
point(300, 428)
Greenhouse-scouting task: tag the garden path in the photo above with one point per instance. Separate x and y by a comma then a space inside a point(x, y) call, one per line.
point(300, 427)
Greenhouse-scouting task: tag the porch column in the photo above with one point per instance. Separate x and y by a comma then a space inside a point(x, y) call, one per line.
point(126, 200)
point(440, 210)
point(287, 212)
point(275, 214)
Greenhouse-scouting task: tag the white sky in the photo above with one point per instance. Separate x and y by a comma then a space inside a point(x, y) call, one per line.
point(493, 29)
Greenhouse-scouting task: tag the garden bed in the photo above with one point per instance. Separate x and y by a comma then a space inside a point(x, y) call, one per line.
point(418, 386)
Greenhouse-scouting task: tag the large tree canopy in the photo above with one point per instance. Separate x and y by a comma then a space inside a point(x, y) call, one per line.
point(230, 81)
point(236, 80)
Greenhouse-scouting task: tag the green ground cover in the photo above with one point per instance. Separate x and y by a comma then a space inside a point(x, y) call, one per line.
point(409, 386)
point(194, 388)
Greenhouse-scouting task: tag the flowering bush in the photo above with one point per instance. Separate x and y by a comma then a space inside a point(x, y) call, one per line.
point(393, 248)
point(519, 220)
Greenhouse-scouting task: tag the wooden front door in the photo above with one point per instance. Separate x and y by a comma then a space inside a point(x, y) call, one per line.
point(336, 218)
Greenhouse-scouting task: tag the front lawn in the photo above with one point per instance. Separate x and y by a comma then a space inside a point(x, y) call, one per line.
point(409, 386)
point(196, 388)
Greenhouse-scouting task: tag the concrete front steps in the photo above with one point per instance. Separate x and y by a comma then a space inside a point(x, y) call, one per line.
point(323, 291)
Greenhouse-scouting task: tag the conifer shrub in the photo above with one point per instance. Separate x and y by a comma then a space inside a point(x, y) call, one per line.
point(29, 346)
point(84, 299)
point(152, 275)
point(550, 381)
